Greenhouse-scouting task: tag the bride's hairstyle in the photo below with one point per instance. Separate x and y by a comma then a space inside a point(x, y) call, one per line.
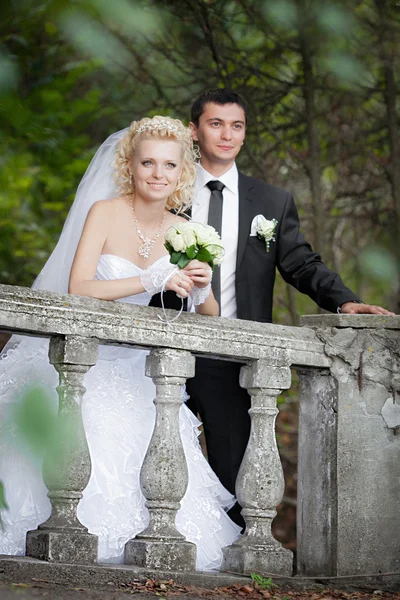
point(159, 128)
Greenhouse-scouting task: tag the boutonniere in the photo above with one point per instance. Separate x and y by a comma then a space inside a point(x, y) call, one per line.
point(264, 229)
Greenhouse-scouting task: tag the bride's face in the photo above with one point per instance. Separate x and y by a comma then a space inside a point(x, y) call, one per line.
point(156, 167)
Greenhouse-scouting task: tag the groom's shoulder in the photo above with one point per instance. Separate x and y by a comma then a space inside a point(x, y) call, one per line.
point(262, 187)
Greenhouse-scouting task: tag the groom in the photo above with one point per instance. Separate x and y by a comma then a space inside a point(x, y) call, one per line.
point(229, 200)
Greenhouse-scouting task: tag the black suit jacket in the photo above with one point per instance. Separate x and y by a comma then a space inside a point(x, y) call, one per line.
point(290, 253)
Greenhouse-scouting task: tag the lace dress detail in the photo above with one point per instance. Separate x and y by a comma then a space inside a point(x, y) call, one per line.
point(119, 416)
point(200, 295)
point(157, 276)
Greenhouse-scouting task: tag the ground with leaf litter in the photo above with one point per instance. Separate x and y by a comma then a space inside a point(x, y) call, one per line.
point(167, 590)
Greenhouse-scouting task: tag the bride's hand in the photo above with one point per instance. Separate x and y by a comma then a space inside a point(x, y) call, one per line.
point(180, 283)
point(200, 273)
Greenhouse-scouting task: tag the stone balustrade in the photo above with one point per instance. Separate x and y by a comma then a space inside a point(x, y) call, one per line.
point(327, 354)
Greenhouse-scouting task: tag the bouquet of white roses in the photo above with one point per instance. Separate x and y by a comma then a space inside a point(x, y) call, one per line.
point(190, 240)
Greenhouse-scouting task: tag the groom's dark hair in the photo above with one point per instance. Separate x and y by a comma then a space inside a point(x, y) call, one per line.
point(219, 96)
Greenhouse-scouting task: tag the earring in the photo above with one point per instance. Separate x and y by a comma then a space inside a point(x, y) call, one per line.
point(178, 181)
point(130, 179)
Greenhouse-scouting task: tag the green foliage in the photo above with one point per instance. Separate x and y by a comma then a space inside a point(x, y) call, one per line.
point(191, 252)
point(39, 432)
point(180, 259)
point(8, 73)
point(3, 503)
point(204, 256)
point(35, 421)
point(283, 13)
point(44, 148)
point(380, 264)
point(260, 582)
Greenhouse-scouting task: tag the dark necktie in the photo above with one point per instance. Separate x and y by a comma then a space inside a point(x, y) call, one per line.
point(215, 220)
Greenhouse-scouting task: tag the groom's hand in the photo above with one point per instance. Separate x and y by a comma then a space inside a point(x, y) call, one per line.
point(199, 272)
point(354, 308)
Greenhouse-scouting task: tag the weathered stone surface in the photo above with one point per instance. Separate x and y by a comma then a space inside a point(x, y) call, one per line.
point(353, 321)
point(263, 559)
point(66, 474)
point(73, 350)
point(317, 474)
point(161, 555)
point(260, 483)
point(365, 367)
point(163, 362)
point(164, 475)
point(29, 570)
point(62, 546)
point(44, 313)
point(265, 376)
point(391, 413)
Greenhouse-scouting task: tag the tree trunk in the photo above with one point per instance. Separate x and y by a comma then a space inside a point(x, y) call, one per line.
point(314, 150)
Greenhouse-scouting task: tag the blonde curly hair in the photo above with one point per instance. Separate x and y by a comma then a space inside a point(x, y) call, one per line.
point(159, 128)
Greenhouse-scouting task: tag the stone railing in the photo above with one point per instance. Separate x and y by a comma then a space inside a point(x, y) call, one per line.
point(325, 351)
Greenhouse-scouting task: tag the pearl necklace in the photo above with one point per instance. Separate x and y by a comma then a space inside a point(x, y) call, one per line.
point(147, 243)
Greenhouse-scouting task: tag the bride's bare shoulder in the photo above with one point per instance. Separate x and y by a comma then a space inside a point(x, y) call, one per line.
point(107, 208)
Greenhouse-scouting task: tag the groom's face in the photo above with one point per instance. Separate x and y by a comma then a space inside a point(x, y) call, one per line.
point(220, 133)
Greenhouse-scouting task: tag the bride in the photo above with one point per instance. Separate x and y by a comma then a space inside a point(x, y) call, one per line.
point(112, 248)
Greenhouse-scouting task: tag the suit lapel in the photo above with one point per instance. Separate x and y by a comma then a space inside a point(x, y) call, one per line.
point(245, 215)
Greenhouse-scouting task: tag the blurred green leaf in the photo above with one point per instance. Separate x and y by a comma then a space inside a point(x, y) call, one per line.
point(129, 18)
point(3, 503)
point(334, 18)
point(345, 67)
point(35, 419)
point(43, 432)
point(8, 73)
point(380, 264)
point(94, 40)
point(283, 13)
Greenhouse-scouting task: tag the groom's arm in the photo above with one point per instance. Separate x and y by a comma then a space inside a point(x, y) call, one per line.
point(303, 268)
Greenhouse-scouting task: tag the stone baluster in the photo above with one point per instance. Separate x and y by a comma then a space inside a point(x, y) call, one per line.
point(62, 538)
point(164, 475)
point(260, 482)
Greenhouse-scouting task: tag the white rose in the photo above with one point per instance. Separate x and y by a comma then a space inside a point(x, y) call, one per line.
point(265, 228)
point(216, 240)
point(174, 237)
point(188, 234)
point(205, 234)
point(217, 252)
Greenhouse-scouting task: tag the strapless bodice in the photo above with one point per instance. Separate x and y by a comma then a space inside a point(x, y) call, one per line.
point(111, 266)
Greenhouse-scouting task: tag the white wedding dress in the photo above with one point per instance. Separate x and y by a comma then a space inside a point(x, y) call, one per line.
point(118, 415)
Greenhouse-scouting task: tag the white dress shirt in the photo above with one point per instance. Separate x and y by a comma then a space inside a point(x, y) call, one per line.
point(230, 229)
